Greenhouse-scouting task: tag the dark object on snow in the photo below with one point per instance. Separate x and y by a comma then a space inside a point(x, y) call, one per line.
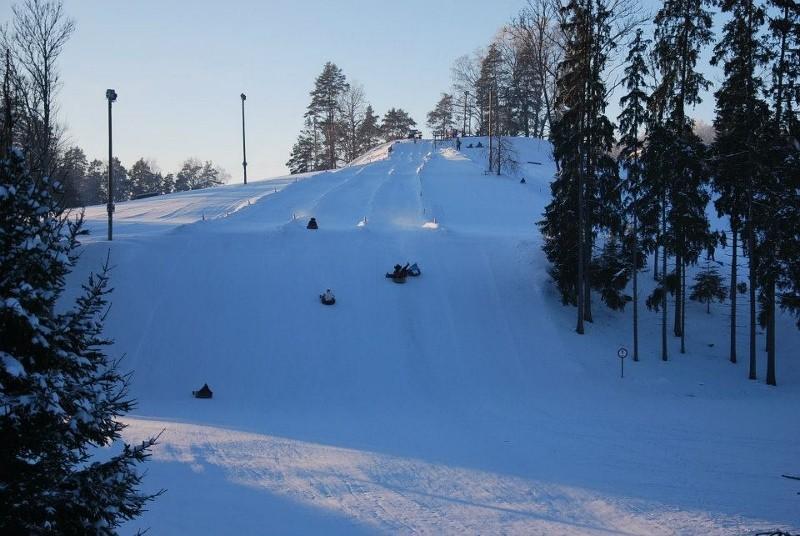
point(534, 163)
point(327, 298)
point(399, 274)
point(414, 270)
point(390, 149)
point(470, 146)
point(203, 392)
point(522, 181)
point(312, 224)
point(146, 195)
point(479, 145)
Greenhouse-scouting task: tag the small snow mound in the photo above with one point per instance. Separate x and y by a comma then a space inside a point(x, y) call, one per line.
point(430, 225)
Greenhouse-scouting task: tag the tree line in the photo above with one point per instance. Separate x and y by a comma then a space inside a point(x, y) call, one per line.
point(86, 183)
point(641, 187)
point(31, 45)
point(340, 124)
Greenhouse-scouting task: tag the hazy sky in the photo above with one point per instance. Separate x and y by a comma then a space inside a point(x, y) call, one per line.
point(179, 67)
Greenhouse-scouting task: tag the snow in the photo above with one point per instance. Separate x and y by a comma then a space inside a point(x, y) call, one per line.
point(12, 366)
point(460, 402)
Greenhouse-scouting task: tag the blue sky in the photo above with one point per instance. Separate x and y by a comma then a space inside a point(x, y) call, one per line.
point(179, 67)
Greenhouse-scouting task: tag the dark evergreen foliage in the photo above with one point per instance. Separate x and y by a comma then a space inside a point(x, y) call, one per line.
point(708, 286)
point(61, 395)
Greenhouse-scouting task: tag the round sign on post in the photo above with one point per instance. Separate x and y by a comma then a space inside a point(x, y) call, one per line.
point(622, 353)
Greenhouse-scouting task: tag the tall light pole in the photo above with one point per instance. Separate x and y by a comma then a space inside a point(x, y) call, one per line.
point(244, 151)
point(111, 96)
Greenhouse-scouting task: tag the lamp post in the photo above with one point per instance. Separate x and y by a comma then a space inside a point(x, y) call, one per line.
point(244, 150)
point(111, 96)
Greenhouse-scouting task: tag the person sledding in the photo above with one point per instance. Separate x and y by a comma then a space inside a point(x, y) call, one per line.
point(327, 298)
point(203, 392)
point(312, 224)
point(399, 274)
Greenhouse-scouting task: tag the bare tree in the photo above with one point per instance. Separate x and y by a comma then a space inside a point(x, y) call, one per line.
point(538, 27)
point(464, 75)
point(352, 107)
point(36, 38)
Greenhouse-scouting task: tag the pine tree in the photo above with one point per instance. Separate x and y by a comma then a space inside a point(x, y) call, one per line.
point(683, 28)
point(586, 188)
point(610, 274)
point(71, 172)
point(324, 107)
point(369, 132)
point(122, 183)
point(486, 88)
point(640, 200)
point(305, 152)
point(440, 119)
point(396, 124)
point(708, 286)
point(144, 180)
point(776, 204)
point(741, 122)
point(196, 175)
point(61, 395)
point(168, 183)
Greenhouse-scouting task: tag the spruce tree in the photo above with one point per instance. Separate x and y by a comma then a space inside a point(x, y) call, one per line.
point(305, 152)
point(683, 28)
point(708, 286)
point(369, 132)
point(586, 196)
point(776, 203)
point(741, 124)
point(640, 202)
point(61, 395)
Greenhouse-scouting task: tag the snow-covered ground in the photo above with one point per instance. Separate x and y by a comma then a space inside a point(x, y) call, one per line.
point(460, 402)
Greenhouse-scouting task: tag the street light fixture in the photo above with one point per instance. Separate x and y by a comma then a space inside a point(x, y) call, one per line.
point(111, 96)
point(244, 150)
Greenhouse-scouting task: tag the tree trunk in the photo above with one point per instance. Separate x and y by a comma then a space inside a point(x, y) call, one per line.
point(635, 273)
point(751, 245)
point(734, 293)
point(676, 327)
point(663, 283)
point(683, 308)
point(655, 265)
point(771, 332)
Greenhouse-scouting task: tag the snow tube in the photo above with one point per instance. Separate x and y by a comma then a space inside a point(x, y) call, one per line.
point(326, 302)
point(203, 392)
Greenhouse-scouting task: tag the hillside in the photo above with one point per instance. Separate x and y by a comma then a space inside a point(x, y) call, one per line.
point(460, 402)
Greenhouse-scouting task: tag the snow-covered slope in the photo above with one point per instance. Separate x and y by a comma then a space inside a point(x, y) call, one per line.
point(460, 402)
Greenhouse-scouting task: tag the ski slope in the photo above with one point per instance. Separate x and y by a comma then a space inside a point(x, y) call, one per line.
point(460, 402)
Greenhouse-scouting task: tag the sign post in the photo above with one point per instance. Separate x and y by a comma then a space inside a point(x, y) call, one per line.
point(622, 353)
